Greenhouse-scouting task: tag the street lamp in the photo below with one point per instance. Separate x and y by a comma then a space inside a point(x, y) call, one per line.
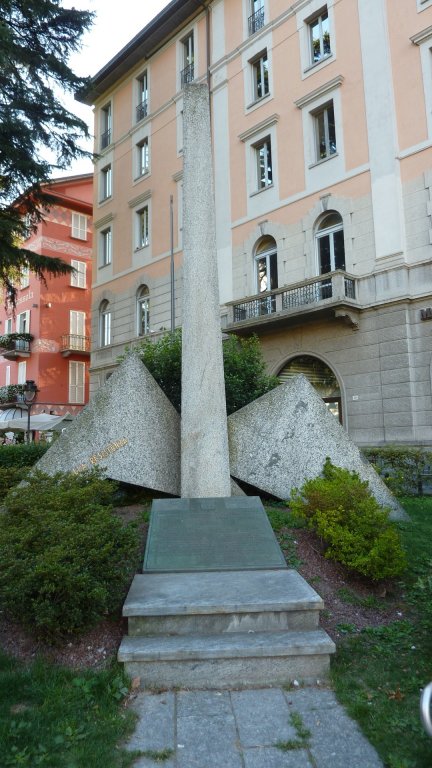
point(30, 392)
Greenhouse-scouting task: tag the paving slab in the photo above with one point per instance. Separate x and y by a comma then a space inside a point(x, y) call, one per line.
point(263, 719)
point(271, 757)
point(156, 722)
point(240, 729)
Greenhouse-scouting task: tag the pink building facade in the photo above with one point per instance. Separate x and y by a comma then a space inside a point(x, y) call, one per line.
point(55, 315)
point(322, 139)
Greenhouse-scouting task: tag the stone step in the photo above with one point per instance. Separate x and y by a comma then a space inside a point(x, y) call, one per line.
point(228, 660)
point(219, 602)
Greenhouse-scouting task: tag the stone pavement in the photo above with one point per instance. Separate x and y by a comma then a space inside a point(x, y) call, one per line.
point(242, 729)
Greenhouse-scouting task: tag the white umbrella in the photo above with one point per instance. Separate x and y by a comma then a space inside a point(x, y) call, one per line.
point(39, 422)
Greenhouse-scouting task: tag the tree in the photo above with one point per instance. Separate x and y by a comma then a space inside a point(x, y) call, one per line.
point(244, 368)
point(36, 40)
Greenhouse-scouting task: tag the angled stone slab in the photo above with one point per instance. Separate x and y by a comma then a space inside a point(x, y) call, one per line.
point(282, 439)
point(129, 427)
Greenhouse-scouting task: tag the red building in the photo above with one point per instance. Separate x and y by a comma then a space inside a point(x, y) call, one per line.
point(46, 338)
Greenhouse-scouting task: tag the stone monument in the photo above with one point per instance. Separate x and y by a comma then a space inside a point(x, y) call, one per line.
point(204, 438)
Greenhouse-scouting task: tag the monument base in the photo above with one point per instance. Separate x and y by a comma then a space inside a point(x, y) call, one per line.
point(210, 534)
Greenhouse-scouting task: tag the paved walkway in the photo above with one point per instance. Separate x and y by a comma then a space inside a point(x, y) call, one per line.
point(241, 729)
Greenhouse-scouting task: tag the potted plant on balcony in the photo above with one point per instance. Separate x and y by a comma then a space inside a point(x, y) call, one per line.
point(11, 341)
point(11, 393)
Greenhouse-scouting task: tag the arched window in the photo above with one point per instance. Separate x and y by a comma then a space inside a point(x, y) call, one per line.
point(104, 324)
point(320, 376)
point(143, 311)
point(329, 238)
point(266, 273)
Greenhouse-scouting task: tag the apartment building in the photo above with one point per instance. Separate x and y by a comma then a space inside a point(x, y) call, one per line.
point(47, 338)
point(322, 138)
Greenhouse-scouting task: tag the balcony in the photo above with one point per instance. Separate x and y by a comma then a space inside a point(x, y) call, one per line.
point(72, 343)
point(105, 139)
point(256, 21)
point(141, 110)
point(187, 75)
point(15, 345)
point(11, 394)
point(331, 294)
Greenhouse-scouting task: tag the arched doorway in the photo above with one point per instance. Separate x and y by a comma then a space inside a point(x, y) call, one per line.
point(320, 376)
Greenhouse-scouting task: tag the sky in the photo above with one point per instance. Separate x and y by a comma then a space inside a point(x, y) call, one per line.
point(116, 22)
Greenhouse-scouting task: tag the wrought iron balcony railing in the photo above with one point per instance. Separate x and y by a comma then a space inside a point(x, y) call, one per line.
point(141, 110)
point(256, 21)
point(329, 289)
point(73, 342)
point(105, 139)
point(15, 345)
point(187, 75)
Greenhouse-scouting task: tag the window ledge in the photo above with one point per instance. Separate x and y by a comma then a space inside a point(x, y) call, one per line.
point(324, 160)
point(260, 191)
point(105, 199)
point(103, 266)
point(141, 247)
point(316, 64)
point(142, 176)
point(262, 99)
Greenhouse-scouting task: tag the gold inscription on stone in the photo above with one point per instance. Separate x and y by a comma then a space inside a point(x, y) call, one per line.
point(95, 458)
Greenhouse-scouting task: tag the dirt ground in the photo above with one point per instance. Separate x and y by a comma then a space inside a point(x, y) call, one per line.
point(344, 598)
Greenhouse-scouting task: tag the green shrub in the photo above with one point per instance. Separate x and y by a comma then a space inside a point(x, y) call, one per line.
point(403, 468)
point(244, 368)
point(10, 476)
point(66, 559)
point(24, 455)
point(355, 529)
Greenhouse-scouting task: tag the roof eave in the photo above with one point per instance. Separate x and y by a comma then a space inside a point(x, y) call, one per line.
point(141, 47)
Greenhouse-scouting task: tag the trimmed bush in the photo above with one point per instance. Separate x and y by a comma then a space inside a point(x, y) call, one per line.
point(23, 455)
point(357, 532)
point(403, 468)
point(66, 559)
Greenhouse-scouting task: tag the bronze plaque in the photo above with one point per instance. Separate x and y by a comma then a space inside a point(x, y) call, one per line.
point(210, 535)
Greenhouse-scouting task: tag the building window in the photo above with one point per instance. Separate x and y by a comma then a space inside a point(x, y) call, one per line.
point(8, 326)
point(76, 382)
point(266, 271)
point(23, 322)
point(25, 277)
point(104, 324)
point(142, 227)
point(329, 239)
point(106, 182)
point(256, 17)
point(187, 72)
point(77, 322)
point(78, 278)
point(260, 76)
point(143, 311)
point(79, 226)
point(142, 105)
point(8, 376)
point(325, 132)
point(106, 126)
point(142, 157)
point(264, 163)
point(319, 36)
point(105, 247)
point(22, 373)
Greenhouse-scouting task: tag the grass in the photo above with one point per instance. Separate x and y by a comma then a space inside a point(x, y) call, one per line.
point(303, 735)
point(55, 717)
point(378, 673)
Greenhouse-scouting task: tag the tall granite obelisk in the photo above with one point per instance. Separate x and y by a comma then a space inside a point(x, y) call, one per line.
point(204, 437)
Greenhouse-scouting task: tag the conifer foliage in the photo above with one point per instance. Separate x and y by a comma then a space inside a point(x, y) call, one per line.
point(36, 39)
